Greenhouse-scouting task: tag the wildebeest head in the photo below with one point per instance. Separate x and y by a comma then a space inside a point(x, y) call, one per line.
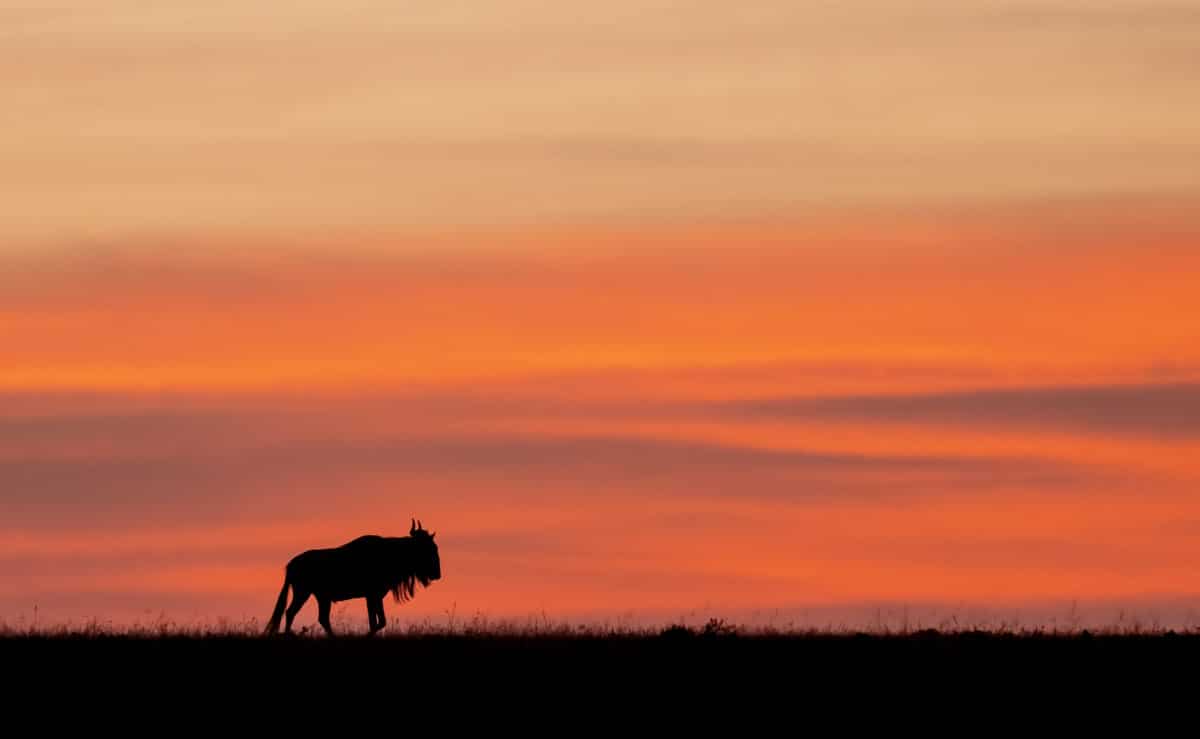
point(429, 564)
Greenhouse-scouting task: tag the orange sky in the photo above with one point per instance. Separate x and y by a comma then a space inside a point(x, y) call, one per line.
point(651, 308)
point(976, 407)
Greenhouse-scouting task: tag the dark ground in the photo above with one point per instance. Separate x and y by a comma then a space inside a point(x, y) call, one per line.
point(706, 672)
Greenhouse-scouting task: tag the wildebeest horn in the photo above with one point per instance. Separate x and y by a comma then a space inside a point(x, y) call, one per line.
point(414, 525)
point(419, 525)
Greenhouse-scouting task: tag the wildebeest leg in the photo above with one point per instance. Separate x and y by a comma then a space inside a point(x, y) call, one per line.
point(375, 613)
point(299, 598)
point(323, 605)
point(380, 620)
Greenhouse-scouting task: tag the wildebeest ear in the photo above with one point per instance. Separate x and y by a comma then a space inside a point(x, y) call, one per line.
point(414, 526)
point(433, 535)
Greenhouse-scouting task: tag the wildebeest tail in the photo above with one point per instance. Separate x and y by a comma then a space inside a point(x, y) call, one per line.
point(277, 616)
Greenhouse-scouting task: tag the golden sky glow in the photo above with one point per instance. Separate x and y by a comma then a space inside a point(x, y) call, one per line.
point(277, 116)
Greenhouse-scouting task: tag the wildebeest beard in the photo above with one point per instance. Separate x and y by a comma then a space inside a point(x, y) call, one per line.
point(404, 589)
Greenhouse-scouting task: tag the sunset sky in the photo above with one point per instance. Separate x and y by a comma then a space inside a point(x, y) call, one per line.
point(647, 308)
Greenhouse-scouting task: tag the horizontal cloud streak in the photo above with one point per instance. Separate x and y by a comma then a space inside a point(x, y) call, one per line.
point(1148, 410)
point(192, 501)
point(199, 483)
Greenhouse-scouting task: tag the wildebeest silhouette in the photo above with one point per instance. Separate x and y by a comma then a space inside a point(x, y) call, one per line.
point(367, 567)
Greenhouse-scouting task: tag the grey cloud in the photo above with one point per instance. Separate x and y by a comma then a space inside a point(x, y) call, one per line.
point(1151, 410)
point(159, 427)
point(1119, 16)
point(27, 568)
point(201, 484)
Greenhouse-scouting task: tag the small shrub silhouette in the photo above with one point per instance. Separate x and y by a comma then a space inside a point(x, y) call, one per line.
point(716, 627)
point(676, 631)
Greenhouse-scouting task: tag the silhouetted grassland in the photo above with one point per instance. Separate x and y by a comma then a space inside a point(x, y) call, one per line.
point(580, 681)
point(717, 659)
point(478, 630)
